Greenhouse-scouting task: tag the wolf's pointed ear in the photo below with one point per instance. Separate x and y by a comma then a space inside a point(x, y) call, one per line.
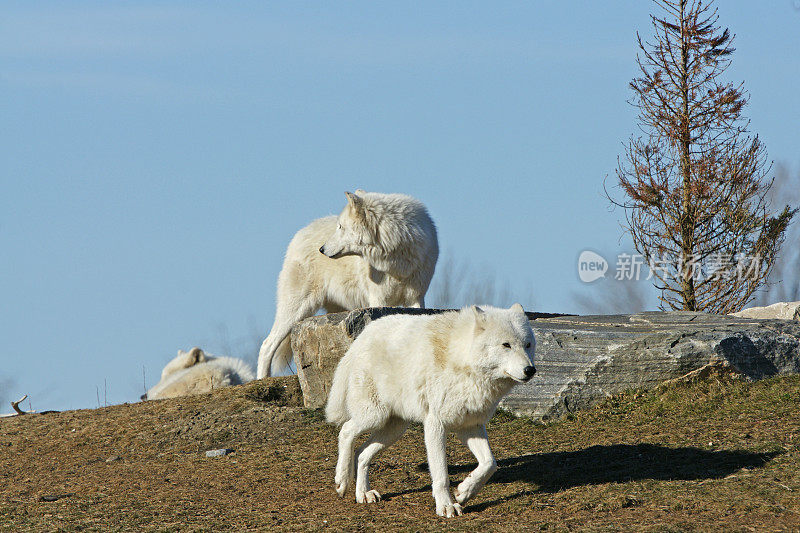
point(360, 192)
point(181, 352)
point(480, 318)
point(356, 201)
point(196, 355)
point(517, 308)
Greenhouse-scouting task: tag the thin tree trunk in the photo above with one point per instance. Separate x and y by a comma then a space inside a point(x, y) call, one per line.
point(687, 222)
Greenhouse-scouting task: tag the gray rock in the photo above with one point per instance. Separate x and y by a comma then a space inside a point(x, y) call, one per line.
point(55, 497)
point(222, 452)
point(582, 359)
point(782, 310)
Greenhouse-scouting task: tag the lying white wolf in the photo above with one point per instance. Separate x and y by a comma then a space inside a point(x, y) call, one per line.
point(448, 371)
point(381, 250)
point(195, 372)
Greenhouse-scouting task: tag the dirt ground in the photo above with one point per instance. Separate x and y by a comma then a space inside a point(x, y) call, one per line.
point(710, 456)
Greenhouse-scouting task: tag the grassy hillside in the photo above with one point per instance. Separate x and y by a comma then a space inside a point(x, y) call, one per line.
point(705, 456)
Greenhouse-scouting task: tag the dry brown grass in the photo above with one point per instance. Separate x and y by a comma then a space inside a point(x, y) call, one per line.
point(704, 456)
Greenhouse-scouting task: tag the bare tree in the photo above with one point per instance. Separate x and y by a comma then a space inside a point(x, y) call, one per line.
point(456, 284)
point(783, 283)
point(695, 183)
point(245, 346)
point(609, 295)
point(6, 384)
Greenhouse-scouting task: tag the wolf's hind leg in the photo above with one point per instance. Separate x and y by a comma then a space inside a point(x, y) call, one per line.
point(476, 440)
point(289, 312)
point(379, 440)
point(345, 465)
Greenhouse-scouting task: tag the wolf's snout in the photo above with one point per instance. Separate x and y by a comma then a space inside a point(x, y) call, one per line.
point(322, 249)
point(529, 371)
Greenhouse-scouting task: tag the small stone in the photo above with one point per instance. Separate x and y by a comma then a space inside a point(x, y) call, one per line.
point(54, 497)
point(113, 459)
point(222, 452)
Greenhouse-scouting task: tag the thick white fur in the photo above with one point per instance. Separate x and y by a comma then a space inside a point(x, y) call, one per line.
point(381, 250)
point(447, 371)
point(196, 372)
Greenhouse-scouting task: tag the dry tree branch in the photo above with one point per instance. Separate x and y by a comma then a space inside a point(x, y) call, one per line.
point(15, 406)
point(17, 410)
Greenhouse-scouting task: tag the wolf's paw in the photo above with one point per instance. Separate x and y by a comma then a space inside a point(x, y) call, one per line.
point(464, 491)
point(371, 496)
point(341, 488)
point(449, 510)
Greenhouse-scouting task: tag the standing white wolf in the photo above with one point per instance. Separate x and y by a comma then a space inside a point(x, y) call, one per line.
point(447, 371)
point(196, 372)
point(381, 250)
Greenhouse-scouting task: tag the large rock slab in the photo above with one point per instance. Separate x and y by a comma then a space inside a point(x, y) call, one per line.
point(582, 359)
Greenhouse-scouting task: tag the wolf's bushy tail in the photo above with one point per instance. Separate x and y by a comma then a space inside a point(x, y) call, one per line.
point(282, 357)
point(336, 408)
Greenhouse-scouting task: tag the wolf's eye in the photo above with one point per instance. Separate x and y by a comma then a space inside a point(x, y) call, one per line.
point(506, 345)
point(527, 346)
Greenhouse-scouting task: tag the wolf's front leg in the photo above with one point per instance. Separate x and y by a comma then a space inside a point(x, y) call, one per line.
point(437, 463)
point(476, 440)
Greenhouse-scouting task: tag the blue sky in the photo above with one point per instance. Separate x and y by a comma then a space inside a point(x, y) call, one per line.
point(157, 157)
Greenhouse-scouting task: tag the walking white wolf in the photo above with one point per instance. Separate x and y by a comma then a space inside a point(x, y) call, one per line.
point(447, 371)
point(196, 372)
point(381, 250)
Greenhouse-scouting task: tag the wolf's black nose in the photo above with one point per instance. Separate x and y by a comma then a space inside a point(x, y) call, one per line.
point(529, 371)
point(322, 249)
